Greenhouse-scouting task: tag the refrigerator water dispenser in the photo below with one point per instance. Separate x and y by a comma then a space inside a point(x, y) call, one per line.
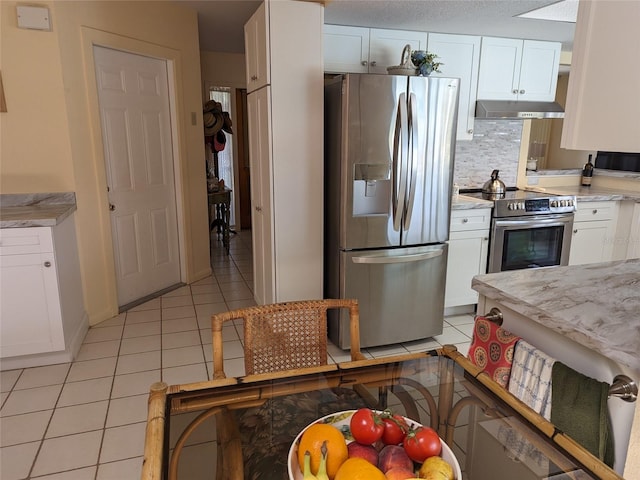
point(371, 189)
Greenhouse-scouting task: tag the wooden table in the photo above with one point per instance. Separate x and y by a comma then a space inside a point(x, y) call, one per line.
point(493, 435)
point(219, 214)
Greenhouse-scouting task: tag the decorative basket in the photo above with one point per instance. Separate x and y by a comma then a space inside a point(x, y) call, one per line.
point(406, 66)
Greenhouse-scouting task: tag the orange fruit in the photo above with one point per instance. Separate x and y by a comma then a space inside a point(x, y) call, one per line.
point(356, 468)
point(312, 440)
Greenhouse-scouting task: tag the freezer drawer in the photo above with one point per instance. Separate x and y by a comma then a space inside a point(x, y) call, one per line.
point(400, 293)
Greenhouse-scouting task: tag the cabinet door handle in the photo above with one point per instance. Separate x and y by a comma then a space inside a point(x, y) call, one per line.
point(485, 239)
point(364, 63)
point(254, 77)
point(465, 220)
point(595, 211)
point(374, 63)
point(470, 131)
point(514, 91)
point(47, 264)
point(575, 230)
point(521, 92)
point(258, 209)
point(112, 207)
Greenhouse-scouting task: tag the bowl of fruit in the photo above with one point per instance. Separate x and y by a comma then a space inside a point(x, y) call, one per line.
point(373, 445)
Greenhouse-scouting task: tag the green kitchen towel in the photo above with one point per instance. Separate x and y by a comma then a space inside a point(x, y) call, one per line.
point(579, 408)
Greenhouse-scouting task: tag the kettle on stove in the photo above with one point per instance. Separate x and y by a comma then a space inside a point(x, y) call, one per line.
point(494, 188)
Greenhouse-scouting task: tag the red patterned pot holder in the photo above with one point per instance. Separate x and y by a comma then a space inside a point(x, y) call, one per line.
point(492, 350)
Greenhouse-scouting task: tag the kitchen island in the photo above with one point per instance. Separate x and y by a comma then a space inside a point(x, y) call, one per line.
point(588, 317)
point(595, 305)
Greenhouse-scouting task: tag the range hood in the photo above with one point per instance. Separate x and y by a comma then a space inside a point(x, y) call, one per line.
point(509, 109)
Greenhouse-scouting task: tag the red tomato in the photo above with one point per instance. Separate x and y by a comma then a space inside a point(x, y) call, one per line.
point(366, 426)
point(395, 429)
point(422, 443)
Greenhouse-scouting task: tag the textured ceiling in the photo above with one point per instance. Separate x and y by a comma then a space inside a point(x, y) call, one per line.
point(221, 21)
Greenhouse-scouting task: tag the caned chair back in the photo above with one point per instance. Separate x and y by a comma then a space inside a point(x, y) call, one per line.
point(284, 336)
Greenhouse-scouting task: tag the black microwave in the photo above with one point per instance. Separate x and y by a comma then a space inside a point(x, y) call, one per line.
point(628, 162)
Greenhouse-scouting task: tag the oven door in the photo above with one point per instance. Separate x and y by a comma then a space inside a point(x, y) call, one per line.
point(530, 242)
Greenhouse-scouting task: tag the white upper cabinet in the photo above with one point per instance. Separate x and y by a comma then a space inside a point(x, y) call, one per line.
point(386, 46)
point(364, 50)
point(512, 69)
point(603, 98)
point(460, 55)
point(256, 42)
point(346, 49)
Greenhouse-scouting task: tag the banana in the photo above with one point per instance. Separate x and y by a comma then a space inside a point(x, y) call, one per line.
point(307, 475)
point(322, 469)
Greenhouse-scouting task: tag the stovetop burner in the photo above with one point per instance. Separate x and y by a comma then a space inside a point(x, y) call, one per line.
point(516, 203)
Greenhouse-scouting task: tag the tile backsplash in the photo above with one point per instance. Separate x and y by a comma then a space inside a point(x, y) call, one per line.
point(495, 145)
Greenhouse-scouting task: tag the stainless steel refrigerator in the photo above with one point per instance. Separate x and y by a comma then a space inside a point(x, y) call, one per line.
point(389, 151)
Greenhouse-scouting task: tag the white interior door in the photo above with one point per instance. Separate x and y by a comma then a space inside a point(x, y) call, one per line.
point(136, 128)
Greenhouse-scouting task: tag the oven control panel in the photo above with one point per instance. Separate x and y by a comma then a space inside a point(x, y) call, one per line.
point(536, 206)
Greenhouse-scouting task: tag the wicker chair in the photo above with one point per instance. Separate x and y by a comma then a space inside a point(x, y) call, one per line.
point(279, 337)
point(284, 336)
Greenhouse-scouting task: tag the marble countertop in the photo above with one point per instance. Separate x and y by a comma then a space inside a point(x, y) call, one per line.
point(596, 305)
point(462, 202)
point(35, 209)
point(591, 194)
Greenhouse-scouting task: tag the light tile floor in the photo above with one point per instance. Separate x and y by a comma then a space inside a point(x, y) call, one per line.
point(85, 420)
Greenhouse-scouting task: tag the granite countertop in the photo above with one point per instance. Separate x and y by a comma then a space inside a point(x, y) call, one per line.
point(462, 202)
point(35, 209)
point(596, 305)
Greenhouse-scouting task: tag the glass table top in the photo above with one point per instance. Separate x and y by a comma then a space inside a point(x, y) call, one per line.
point(244, 427)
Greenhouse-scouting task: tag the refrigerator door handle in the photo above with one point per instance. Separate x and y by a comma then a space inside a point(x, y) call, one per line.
point(400, 149)
point(413, 158)
point(416, 257)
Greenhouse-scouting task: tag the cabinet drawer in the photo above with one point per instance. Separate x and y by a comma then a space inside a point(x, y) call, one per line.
point(589, 211)
point(472, 219)
point(19, 241)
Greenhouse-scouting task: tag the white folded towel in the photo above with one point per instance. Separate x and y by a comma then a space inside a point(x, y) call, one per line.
point(530, 379)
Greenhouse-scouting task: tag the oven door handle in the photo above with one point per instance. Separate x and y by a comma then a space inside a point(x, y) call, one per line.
point(547, 221)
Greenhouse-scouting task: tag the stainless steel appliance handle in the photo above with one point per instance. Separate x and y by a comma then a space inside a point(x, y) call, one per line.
point(400, 147)
point(413, 158)
point(536, 221)
point(416, 257)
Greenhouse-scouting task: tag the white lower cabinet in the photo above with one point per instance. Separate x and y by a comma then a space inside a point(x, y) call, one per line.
point(258, 109)
point(42, 310)
point(594, 228)
point(468, 251)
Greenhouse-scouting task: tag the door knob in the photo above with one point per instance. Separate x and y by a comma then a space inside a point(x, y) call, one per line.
point(47, 264)
point(112, 207)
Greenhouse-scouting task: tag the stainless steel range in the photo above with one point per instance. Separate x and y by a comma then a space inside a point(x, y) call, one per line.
point(529, 230)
